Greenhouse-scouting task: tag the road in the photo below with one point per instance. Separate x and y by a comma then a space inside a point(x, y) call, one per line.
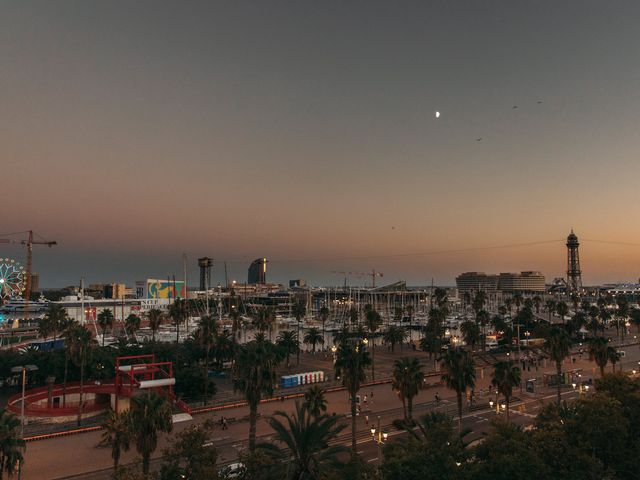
point(77, 456)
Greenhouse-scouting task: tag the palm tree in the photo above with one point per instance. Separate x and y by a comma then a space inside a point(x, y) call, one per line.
point(105, 321)
point(635, 317)
point(614, 357)
point(407, 380)
point(80, 343)
point(11, 445)
point(150, 415)
point(551, 307)
point(352, 359)
point(482, 319)
point(324, 316)
point(53, 321)
point(505, 376)
point(206, 335)
point(155, 320)
point(254, 374)
point(373, 321)
point(598, 351)
point(562, 309)
point(179, 313)
point(508, 302)
point(236, 323)
point(353, 316)
point(132, 324)
point(313, 337)
point(537, 301)
point(299, 310)
point(288, 341)
point(622, 314)
point(315, 400)
point(518, 300)
point(410, 309)
point(558, 345)
point(471, 333)
point(594, 323)
point(460, 374)
point(304, 451)
point(67, 334)
point(117, 435)
point(394, 335)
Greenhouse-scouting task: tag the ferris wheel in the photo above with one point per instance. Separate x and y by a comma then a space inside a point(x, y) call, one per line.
point(12, 278)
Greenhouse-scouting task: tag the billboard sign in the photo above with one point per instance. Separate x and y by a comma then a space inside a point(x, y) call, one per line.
point(162, 289)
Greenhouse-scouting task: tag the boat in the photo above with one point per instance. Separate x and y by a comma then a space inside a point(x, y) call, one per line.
point(19, 305)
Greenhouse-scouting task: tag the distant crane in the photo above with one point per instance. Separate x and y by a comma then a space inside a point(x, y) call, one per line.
point(373, 274)
point(29, 243)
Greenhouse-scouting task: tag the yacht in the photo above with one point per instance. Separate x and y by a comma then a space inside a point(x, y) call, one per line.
point(19, 305)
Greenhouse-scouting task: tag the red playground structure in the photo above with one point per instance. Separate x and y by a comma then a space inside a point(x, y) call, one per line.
point(133, 376)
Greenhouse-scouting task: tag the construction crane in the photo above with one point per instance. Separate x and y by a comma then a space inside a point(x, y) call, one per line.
point(29, 243)
point(373, 274)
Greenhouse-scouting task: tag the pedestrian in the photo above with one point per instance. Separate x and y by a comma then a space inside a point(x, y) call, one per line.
point(224, 423)
point(437, 399)
point(371, 396)
point(281, 398)
point(365, 399)
point(366, 419)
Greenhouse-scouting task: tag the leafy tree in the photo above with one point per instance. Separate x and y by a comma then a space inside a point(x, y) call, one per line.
point(105, 322)
point(352, 359)
point(155, 317)
point(558, 345)
point(394, 335)
point(150, 415)
point(315, 401)
point(306, 438)
point(254, 374)
point(12, 446)
point(459, 375)
point(429, 452)
point(191, 455)
point(407, 380)
point(116, 434)
point(313, 337)
point(505, 376)
point(288, 341)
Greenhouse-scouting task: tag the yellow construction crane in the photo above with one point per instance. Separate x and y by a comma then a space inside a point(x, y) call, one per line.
point(29, 242)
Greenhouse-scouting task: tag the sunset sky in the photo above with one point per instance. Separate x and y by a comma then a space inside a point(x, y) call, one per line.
point(304, 131)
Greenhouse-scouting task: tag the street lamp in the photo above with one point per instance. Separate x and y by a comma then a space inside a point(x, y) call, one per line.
point(23, 369)
point(380, 439)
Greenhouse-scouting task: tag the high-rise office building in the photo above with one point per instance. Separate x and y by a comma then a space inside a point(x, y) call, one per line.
point(258, 271)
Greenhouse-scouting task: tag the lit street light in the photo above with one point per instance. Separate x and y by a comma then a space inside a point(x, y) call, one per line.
point(380, 439)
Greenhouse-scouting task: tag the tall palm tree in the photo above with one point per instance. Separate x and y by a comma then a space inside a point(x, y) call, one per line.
point(179, 313)
point(324, 316)
point(236, 323)
point(635, 317)
point(116, 434)
point(54, 320)
point(394, 335)
point(67, 334)
point(471, 333)
point(373, 321)
point(299, 310)
point(410, 310)
point(407, 380)
point(313, 337)
point(459, 375)
point(622, 314)
point(505, 376)
point(599, 352)
point(551, 307)
point(482, 319)
point(558, 346)
point(315, 400)
point(353, 315)
point(288, 341)
point(254, 374)
point(206, 335)
point(155, 317)
point(508, 302)
point(150, 415)
point(105, 321)
point(562, 309)
point(518, 300)
point(12, 446)
point(132, 324)
point(537, 301)
point(614, 357)
point(305, 438)
point(352, 360)
point(80, 343)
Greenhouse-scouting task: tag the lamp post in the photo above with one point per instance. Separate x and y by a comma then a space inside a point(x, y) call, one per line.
point(23, 369)
point(380, 439)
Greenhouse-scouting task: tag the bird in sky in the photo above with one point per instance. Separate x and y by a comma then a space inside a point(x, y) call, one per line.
point(479, 139)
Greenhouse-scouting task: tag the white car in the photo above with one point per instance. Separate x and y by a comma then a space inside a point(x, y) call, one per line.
point(233, 470)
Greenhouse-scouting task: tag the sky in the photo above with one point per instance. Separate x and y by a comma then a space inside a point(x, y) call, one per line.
point(133, 132)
